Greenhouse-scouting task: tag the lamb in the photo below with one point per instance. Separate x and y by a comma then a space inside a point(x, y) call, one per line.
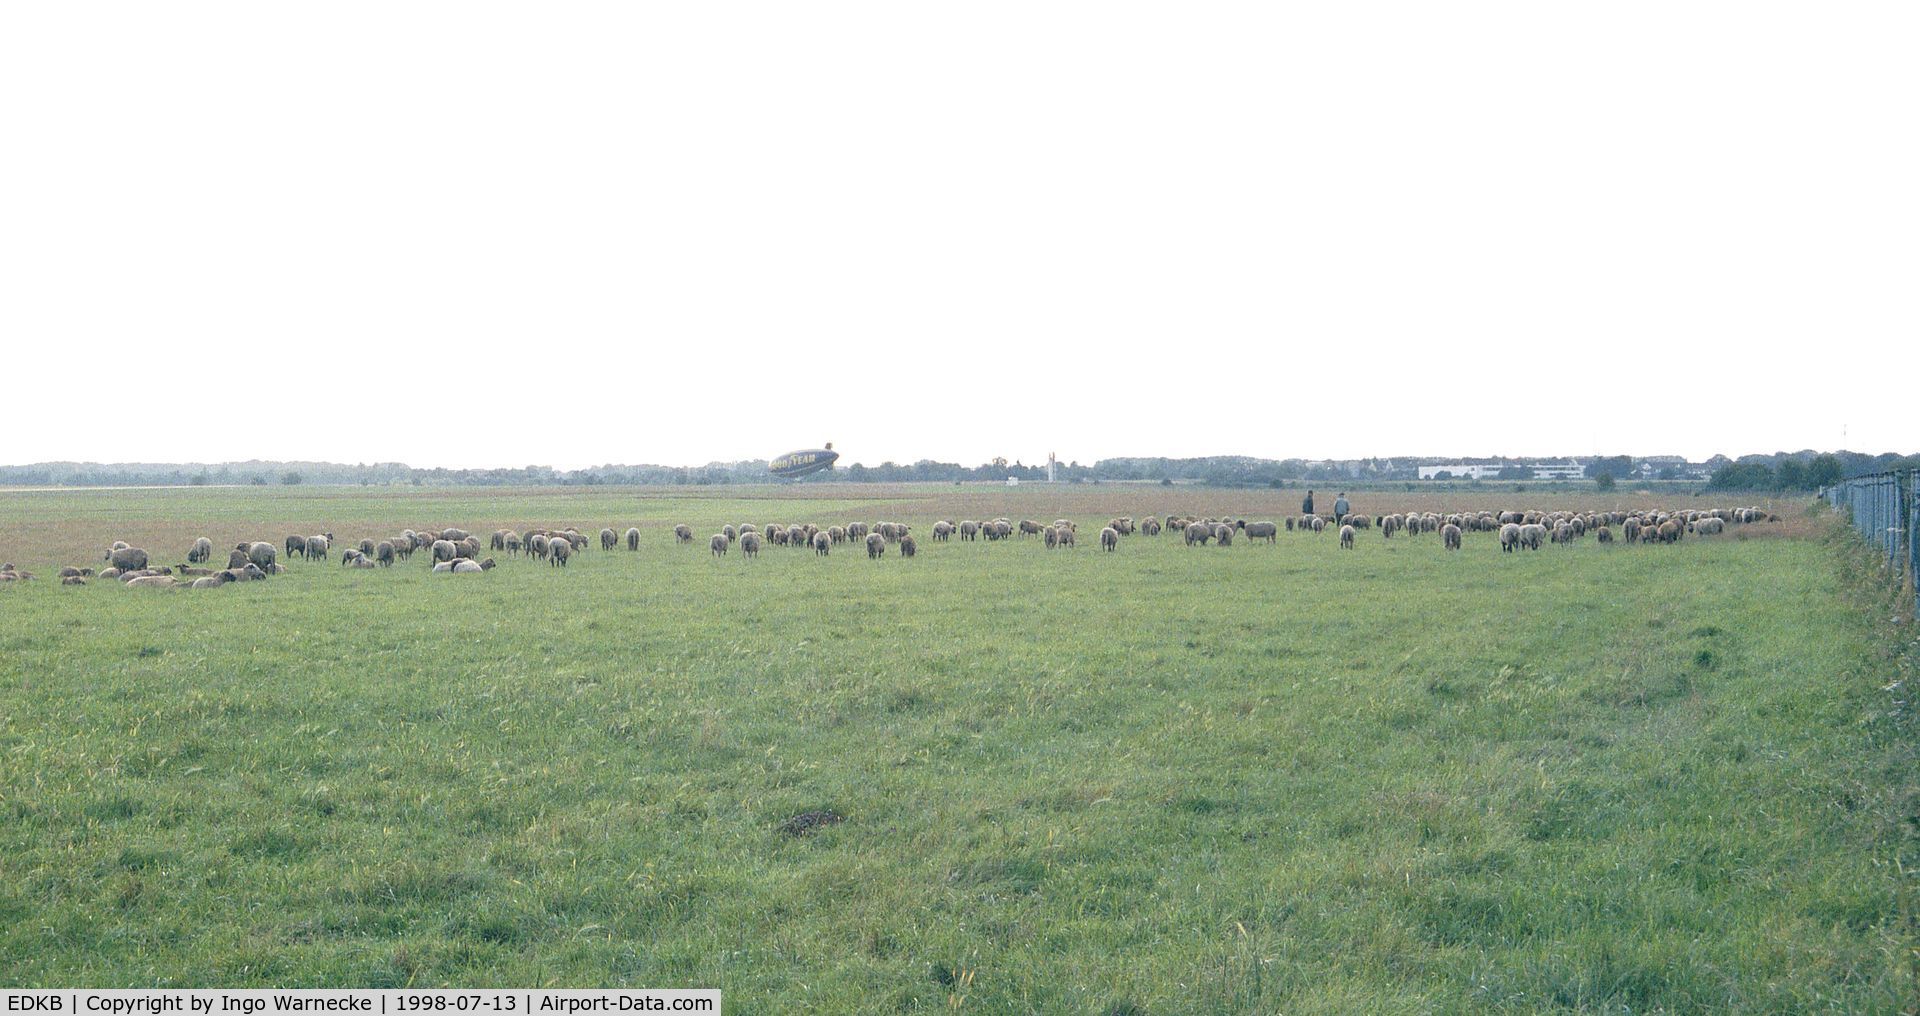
point(750, 544)
point(822, 543)
point(1450, 536)
point(719, 544)
point(202, 550)
point(633, 538)
point(1346, 536)
point(683, 533)
point(876, 545)
point(907, 547)
point(1109, 539)
point(609, 539)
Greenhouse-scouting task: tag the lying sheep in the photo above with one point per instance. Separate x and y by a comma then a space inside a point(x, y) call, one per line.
point(152, 582)
point(73, 580)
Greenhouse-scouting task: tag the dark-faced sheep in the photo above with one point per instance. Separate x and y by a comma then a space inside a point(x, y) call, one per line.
point(683, 533)
point(719, 544)
point(202, 550)
point(876, 545)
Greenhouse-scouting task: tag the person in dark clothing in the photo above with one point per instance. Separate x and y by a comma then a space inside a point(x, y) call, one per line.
point(1341, 507)
point(1306, 507)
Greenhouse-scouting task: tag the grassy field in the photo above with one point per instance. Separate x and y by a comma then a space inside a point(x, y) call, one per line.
point(1166, 780)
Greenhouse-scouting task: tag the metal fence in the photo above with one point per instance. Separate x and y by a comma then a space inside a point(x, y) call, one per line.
point(1886, 511)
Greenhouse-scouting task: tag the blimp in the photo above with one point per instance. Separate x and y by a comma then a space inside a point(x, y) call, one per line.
point(805, 462)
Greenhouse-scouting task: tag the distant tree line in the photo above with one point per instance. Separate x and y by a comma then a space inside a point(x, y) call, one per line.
point(1804, 470)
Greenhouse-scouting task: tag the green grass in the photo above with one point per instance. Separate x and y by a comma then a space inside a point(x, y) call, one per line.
point(1166, 780)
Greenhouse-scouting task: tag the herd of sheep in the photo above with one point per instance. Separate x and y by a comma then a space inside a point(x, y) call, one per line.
point(457, 552)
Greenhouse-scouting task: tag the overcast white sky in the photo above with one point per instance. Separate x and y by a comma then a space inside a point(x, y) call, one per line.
point(482, 234)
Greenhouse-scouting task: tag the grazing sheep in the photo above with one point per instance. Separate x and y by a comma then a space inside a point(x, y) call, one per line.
point(498, 541)
point(1197, 533)
point(454, 535)
point(1450, 536)
point(366, 548)
point(469, 548)
point(942, 530)
point(1708, 527)
point(729, 532)
point(1066, 536)
point(1669, 531)
point(1262, 531)
point(558, 553)
point(969, 530)
point(1109, 539)
point(537, 545)
point(442, 550)
point(1509, 537)
point(296, 545)
point(719, 544)
point(263, 555)
point(1346, 537)
point(633, 538)
point(1531, 534)
point(202, 550)
point(127, 558)
point(1222, 534)
point(822, 543)
point(750, 544)
point(683, 533)
point(314, 548)
point(1051, 536)
point(876, 545)
point(383, 553)
point(1318, 524)
point(1603, 535)
point(609, 539)
point(1029, 527)
point(1149, 526)
point(907, 547)
point(838, 534)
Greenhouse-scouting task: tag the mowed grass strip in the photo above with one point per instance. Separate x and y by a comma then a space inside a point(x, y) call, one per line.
point(1168, 779)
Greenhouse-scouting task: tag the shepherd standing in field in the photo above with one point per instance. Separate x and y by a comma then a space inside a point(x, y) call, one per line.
point(1306, 506)
point(1341, 507)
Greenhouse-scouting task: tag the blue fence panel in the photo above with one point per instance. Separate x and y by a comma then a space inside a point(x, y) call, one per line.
point(1885, 508)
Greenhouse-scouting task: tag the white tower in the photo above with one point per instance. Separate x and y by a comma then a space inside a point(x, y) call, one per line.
point(1050, 461)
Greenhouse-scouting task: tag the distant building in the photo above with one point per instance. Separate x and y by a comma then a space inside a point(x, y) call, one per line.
point(1559, 471)
point(1461, 471)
